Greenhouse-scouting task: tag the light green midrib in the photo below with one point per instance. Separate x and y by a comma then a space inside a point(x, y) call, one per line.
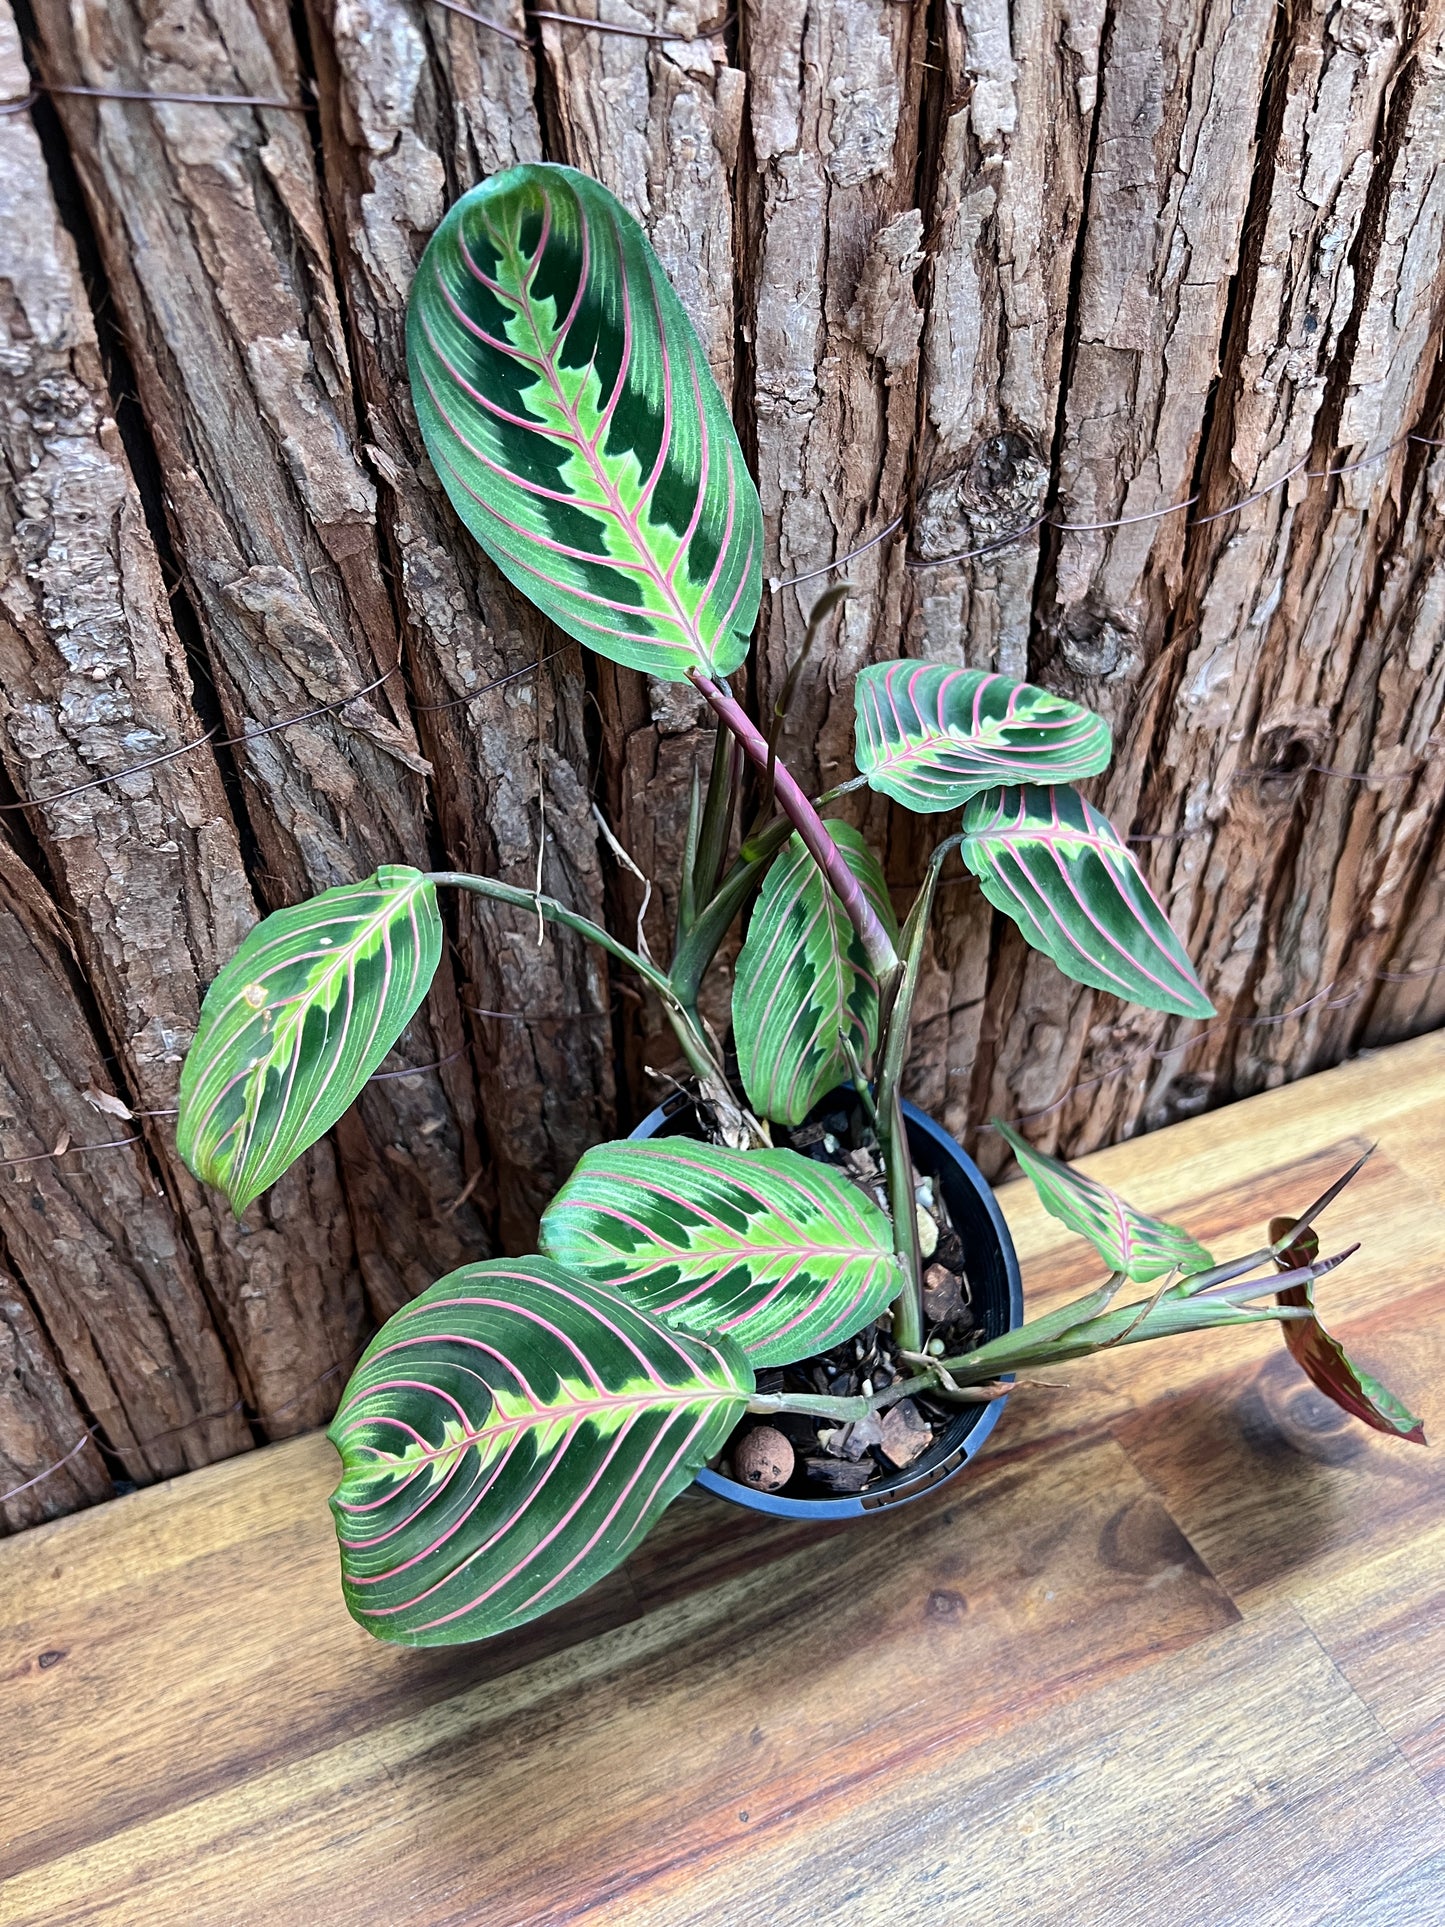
point(593, 458)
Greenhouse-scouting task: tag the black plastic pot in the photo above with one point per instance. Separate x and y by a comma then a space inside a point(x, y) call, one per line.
point(998, 1302)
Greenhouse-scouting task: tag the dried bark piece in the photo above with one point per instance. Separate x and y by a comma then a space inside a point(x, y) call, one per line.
point(906, 1433)
point(841, 1475)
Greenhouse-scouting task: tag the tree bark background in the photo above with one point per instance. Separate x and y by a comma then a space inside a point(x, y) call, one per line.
point(1002, 282)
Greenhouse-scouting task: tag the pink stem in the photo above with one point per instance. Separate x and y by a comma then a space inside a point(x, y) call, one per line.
point(882, 957)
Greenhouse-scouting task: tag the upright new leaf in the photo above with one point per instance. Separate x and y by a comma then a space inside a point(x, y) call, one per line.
point(298, 1020)
point(932, 737)
point(803, 983)
point(773, 1250)
point(576, 426)
point(1324, 1360)
point(1128, 1241)
point(507, 1439)
point(1059, 868)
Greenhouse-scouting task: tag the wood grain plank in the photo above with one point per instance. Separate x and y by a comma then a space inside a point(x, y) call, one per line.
point(1275, 1485)
point(256, 1689)
point(1383, 1624)
point(1032, 1688)
point(975, 1614)
point(1239, 1784)
point(1400, 1901)
point(1390, 1097)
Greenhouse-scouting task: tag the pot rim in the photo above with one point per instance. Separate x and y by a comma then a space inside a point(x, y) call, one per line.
point(976, 1426)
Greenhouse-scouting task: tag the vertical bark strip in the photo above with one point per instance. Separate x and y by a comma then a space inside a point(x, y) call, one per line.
point(49, 1464)
point(94, 1237)
point(659, 123)
point(418, 104)
point(834, 107)
point(210, 226)
point(148, 869)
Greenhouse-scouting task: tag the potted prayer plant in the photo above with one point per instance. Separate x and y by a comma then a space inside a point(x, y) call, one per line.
point(793, 1286)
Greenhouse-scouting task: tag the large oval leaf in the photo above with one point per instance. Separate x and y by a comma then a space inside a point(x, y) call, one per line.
point(298, 1020)
point(932, 737)
point(1059, 868)
point(576, 426)
point(1129, 1241)
point(773, 1250)
point(507, 1439)
point(803, 983)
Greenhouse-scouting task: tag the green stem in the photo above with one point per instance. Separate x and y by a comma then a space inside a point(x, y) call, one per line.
point(877, 945)
point(820, 1405)
point(1027, 1348)
point(840, 789)
point(821, 610)
point(860, 1079)
point(897, 1025)
point(689, 1034)
point(902, 1205)
point(898, 1019)
point(717, 818)
point(686, 890)
point(698, 948)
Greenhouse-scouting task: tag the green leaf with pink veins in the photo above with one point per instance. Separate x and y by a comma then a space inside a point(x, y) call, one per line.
point(573, 420)
point(803, 983)
point(775, 1251)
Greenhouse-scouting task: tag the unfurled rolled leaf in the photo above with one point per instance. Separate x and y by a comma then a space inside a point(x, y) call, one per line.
point(1323, 1359)
point(1129, 1241)
point(507, 1439)
point(773, 1250)
point(803, 984)
point(573, 420)
point(932, 737)
point(298, 1020)
point(1059, 868)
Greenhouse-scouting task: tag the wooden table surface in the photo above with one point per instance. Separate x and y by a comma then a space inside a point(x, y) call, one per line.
point(1172, 1652)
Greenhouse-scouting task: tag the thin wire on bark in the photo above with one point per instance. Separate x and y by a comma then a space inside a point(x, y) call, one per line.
point(270, 729)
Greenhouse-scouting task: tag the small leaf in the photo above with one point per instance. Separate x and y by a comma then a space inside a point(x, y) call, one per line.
point(508, 1438)
point(932, 737)
point(1129, 1241)
point(574, 422)
point(298, 1020)
point(773, 1250)
point(1323, 1359)
point(803, 983)
point(1059, 868)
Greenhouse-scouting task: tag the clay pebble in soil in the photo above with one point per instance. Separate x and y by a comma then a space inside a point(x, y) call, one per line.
point(764, 1458)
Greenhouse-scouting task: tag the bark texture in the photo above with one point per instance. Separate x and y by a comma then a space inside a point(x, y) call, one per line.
point(216, 251)
point(1119, 322)
point(148, 872)
point(418, 105)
